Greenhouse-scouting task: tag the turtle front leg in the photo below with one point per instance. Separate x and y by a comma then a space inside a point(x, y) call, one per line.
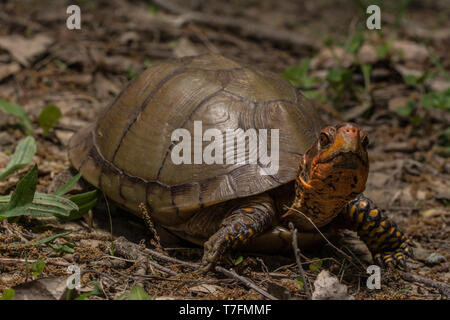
point(242, 223)
point(385, 240)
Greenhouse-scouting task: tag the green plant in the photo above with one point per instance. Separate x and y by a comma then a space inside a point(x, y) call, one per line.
point(383, 49)
point(316, 265)
point(26, 202)
point(8, 294)
point(38, 267)
point(17, 111)
point(298, 75)
point(96, 291)
point(340, 81)
point(437, 100)
point(136, 293)
point(234, 261)
point(355, 42)
point(49, 117)
point(23, 154)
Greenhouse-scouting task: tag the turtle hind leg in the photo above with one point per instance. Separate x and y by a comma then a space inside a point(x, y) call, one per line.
point(387, 243)
point(244, 221)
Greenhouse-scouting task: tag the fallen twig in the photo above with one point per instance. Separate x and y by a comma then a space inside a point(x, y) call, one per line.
point(328, 241)
point(245, 281)
point(12, 261)
point(163, 257)
point(130, 250)
point(442, 287)
point(297, 258)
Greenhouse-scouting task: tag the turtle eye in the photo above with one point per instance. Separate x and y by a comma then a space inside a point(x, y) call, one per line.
point(365, 141)
point(324, 140)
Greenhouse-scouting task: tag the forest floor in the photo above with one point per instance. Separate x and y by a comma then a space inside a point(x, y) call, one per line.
point(394, 83)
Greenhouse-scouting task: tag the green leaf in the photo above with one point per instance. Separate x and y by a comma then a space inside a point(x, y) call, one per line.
point(17, 111)
point(96, 291)
point(299, 281)
point(84, 202)
point(152, 9)
point(437, 100)
point(49, 117)
point(38, 267)
point(298, 75)
point(383, 49)
point(407, 109)
point(49, 239)
point(411, 80)
point(339, 76)
point(238, 260)
point(23, 154)
point(355, 43)
point(68, 185)
point(66, 247)
point(366, 70)
point(8, 294)
point(43, 205)
point(316, 265)
point(138, 293)
point(22, 197)
point(314, 95)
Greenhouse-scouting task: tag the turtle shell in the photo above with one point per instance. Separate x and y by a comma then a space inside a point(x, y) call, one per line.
point(127, 152)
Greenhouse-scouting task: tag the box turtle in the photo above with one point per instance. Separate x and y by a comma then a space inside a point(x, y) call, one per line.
point(319, 176)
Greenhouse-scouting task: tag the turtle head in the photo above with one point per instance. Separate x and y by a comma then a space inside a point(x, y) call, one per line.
point(332, 172)
point(338, 159)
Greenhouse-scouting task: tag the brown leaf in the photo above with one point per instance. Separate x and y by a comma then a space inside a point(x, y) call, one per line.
point(51, 288)
point(409, 51)
point(7, 70)
point(25, 50)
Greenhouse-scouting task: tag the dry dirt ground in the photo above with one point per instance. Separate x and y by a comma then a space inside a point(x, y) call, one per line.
point(81, 71)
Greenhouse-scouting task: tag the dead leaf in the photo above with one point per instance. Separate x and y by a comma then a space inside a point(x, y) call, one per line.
point(206, 288)
point(25, 50)
point(438, 84)
point(185, 48)
point(433, 212)
point(409, 51)
point(278, 291)
point(51, 288)
point(7, 70)
point(378, 179)
point(335, 57)
point(396, 103)
point(367, 54)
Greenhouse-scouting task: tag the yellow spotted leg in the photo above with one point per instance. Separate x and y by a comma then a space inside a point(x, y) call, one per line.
point(242, 223)
point(387, 243)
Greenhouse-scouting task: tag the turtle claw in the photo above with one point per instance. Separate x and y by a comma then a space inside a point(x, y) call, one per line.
point(207, 268)
point(395, 258)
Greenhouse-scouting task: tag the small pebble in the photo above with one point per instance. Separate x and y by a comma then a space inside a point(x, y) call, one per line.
point(435, 258)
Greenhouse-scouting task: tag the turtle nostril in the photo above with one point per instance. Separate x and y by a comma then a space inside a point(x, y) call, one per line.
point(351, 131)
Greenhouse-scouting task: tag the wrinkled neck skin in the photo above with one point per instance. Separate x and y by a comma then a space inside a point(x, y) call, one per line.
point(323, 189)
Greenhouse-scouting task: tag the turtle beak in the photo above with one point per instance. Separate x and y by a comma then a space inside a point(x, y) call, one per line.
point(348, 138)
